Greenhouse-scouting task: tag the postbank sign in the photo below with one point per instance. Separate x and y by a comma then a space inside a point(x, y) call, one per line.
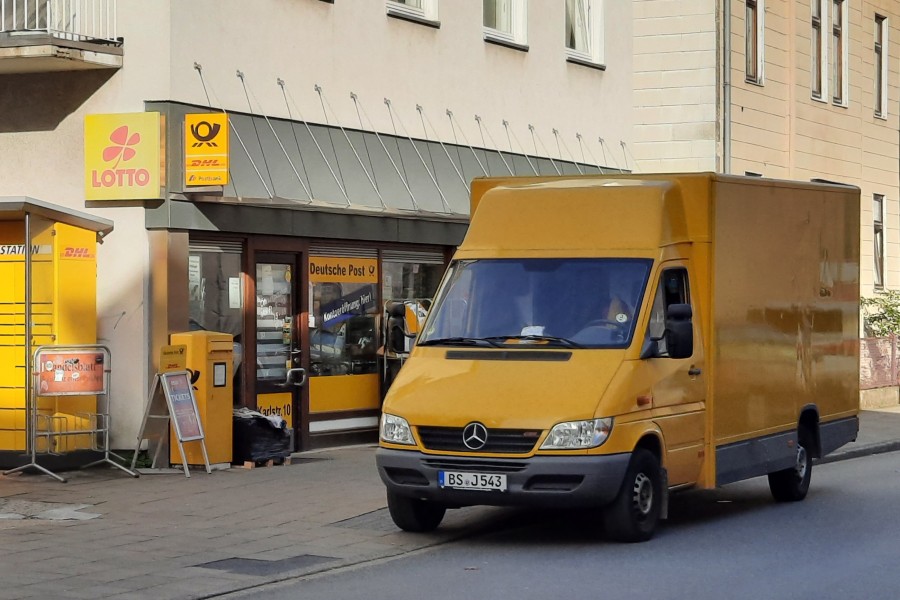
point(122, 156)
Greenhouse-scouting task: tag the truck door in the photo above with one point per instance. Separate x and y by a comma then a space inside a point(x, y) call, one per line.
point(678, 383)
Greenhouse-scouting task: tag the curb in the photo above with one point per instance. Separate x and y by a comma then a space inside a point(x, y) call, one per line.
point(879, 448)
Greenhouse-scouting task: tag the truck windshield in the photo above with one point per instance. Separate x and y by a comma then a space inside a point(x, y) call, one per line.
point(588, 303)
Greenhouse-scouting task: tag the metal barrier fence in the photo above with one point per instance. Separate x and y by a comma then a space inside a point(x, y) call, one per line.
point(878, 362)
point(75, 20)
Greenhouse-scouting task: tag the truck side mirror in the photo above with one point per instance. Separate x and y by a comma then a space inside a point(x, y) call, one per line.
point(679, 331)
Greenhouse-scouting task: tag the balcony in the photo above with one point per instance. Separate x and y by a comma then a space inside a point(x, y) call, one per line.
point(38, 36)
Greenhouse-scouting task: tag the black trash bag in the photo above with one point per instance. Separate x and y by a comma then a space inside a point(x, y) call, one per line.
point(257, 437)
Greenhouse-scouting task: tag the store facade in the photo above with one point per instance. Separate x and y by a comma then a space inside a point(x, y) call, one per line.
point(303, 284)
point(354, 135)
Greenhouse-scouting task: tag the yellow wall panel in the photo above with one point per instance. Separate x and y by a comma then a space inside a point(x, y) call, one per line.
point(343, 392)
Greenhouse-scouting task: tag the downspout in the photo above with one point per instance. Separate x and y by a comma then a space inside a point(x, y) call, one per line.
point(726, 84)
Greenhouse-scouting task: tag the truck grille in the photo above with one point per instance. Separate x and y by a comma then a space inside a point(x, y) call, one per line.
point(501, 441)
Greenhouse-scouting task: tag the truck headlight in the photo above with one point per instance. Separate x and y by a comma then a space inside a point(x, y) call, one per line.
point(395, 430)
point(573, 435)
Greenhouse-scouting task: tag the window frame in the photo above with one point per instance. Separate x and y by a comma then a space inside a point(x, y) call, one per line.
point(518, 36)
point(840, 53)
point(595, 54)
point(427, 14)
point(754, 32)
point(878, 239)
point(818, 52)
point(881, 50)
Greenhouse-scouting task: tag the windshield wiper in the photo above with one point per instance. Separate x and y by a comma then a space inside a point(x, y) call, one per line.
point(538, 338)
point(459, 341)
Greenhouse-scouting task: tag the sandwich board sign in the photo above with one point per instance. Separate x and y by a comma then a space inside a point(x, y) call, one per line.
point(171, 400)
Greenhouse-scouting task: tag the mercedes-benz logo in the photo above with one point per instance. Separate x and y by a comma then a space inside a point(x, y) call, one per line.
point(475, 436)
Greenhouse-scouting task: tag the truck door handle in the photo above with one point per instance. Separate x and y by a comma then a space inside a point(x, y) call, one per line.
point(694, 371)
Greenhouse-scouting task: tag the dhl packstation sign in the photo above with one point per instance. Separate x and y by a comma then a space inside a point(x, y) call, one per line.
point(122, 156)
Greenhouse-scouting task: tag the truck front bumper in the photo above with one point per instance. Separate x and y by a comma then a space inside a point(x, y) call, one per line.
point(552, 481)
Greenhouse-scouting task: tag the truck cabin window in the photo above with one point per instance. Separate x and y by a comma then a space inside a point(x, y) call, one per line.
point(673, 289)
point(549, 302)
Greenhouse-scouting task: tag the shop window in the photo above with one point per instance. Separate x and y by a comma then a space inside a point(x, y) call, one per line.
point(215, 294)
point(344, 312)
point(411, 278)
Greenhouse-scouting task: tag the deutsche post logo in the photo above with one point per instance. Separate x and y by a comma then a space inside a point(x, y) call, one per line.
point(206, 149)
point(205, 132)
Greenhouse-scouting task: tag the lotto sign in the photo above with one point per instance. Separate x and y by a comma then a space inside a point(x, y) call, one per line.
point(206, 149)
point(122, 156)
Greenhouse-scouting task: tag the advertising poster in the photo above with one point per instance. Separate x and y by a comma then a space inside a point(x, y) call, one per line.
point(70, 373)
point(182, 406)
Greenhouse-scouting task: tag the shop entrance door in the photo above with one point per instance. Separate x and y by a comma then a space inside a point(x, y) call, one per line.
point(280, 376)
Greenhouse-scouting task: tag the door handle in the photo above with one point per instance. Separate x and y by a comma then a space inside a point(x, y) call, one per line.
point(295, 377)
point(694, 371)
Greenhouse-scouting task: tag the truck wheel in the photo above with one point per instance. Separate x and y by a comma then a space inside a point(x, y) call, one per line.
point(413, 514)
point(633, 515)
point(791, 485)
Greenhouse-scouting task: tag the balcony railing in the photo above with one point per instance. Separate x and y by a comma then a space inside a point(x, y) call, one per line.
point(74, 20)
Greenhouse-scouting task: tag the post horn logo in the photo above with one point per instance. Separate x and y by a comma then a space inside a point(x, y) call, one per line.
point(205, 139)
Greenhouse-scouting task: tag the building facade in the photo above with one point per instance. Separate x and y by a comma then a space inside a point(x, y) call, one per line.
point(790, 89)
point(354, 129)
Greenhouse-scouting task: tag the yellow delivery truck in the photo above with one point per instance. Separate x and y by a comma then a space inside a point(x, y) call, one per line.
point(601, 341)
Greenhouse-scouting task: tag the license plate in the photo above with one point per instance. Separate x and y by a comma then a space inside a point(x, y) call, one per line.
point(472, 481)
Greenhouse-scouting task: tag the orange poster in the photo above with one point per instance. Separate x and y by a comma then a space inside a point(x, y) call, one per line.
point(71, 373)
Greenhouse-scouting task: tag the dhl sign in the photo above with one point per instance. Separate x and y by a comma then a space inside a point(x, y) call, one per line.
point(70, 252)
point(206, 149)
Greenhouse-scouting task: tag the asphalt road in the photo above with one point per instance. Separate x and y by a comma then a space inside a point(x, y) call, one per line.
point(842, 542)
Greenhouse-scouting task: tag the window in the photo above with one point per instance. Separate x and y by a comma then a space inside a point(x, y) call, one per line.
point(584, 31)
point(343, 326)
point(878, 226)
point(420, 11)
point(817, 51)
point(754, 23)
point(839, 52)
point(505, 22)
point(495, 302)
point(673, 289)
point(881, 32)
point(215, 295)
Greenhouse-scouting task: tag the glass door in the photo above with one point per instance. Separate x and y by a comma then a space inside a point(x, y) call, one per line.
point(279, 376)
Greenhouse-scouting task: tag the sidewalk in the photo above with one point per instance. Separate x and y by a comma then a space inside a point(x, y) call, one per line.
point(106, 535)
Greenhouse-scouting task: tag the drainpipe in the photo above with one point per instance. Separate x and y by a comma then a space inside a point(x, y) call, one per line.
point(726, 81)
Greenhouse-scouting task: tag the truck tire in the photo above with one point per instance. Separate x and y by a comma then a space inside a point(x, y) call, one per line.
point(791, 485)
point(413, 514)
point(634, 514)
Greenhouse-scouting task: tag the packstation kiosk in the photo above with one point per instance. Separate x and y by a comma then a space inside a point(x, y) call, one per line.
point(48, 297)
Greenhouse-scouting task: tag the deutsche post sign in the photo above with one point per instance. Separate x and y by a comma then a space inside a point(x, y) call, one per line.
point(206, 149)
point(343, 270)
point(122, 156)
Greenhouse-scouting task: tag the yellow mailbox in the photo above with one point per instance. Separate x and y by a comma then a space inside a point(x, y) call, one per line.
point(209, 360)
